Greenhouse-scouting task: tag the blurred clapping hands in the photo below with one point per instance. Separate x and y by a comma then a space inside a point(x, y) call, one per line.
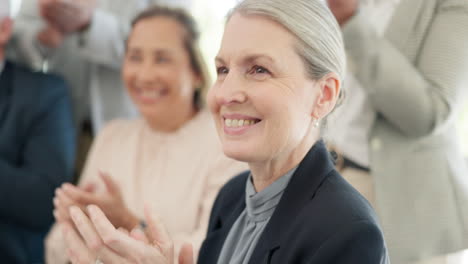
point(64, 17)
point(110, 201)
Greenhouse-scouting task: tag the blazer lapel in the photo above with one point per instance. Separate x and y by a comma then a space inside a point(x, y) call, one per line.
point(306, 180)
point(215, 240)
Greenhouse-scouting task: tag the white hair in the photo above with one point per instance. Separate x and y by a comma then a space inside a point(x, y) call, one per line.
point(5, 10)
point(320, 43)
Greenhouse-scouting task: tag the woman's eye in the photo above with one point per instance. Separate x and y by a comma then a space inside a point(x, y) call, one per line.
point(134, 58)
point(222, 70)
point(259, 70)
point(162, 59)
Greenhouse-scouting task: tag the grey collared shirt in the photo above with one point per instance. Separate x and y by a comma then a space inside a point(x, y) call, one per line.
point(244, 234)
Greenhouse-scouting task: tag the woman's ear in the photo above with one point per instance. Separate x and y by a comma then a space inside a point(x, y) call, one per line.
point(329, 86)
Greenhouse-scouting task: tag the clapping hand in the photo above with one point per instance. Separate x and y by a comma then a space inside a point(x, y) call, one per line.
point(96, 240)
point(67, 16)
point(110, 201)
point(343, 10)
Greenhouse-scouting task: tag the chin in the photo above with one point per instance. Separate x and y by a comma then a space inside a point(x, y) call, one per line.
point(238, 153)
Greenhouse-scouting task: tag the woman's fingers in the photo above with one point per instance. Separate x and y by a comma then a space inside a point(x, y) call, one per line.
point(79, 253)
point(85, 228)
point(108, 243)
point(76, 248)
point(157, 232)
point(62, 204)
point(89, 187)
point(78, 195)
point(93, 244)
point(123, 230)
point(111, 186)
point(139, 235)
point(186, 254)
point(126, 246)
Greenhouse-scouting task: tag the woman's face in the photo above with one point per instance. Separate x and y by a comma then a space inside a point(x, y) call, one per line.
point(157, 70)
point(262, 100)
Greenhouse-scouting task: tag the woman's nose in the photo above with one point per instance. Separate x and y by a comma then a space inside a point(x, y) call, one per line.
point(231, 91)
point(146, 74)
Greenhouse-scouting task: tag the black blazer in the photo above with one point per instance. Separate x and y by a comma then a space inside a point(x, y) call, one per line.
point(320, 219)
point(37, 149)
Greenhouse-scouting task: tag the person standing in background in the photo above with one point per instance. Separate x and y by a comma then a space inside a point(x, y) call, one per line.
point(395, 135)
point(37, 147)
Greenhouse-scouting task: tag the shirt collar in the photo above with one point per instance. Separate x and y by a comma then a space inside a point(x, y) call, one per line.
point(260, 206)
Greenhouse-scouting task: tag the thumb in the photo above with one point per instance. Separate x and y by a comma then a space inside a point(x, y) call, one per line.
point(111, 185)
point(89, 187)
point(138, 234)
point(158, 233)
point(186, 254)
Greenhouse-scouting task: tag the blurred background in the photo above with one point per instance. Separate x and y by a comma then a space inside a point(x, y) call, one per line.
point(211, 15)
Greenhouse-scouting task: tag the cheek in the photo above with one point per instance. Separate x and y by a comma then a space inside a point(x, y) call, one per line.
point(288, 119)
point(128, 76)
point(180, 81)
point(211, 101)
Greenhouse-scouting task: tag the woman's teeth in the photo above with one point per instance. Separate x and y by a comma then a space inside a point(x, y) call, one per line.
point(239, 122)
point(151, 93)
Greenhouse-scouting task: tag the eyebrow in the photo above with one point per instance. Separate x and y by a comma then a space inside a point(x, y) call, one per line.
point(248, 59)
point(157, 51)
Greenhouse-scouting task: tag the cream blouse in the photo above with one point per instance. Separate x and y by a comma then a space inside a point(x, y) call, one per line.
point(177, 174)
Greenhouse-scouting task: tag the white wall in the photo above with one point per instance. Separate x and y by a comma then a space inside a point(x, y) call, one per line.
point(15, 6)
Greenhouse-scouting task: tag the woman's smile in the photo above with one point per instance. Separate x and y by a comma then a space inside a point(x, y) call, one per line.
point(238, 124)
point(150, 95)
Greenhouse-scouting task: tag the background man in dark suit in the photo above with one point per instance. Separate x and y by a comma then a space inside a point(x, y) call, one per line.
point(37, 146)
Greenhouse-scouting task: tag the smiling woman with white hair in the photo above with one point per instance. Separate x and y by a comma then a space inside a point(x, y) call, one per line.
point(280, 68)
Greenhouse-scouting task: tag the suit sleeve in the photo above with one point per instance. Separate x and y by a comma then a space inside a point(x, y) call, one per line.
point(361, 242)
point(27, 189)
point(426, 91)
